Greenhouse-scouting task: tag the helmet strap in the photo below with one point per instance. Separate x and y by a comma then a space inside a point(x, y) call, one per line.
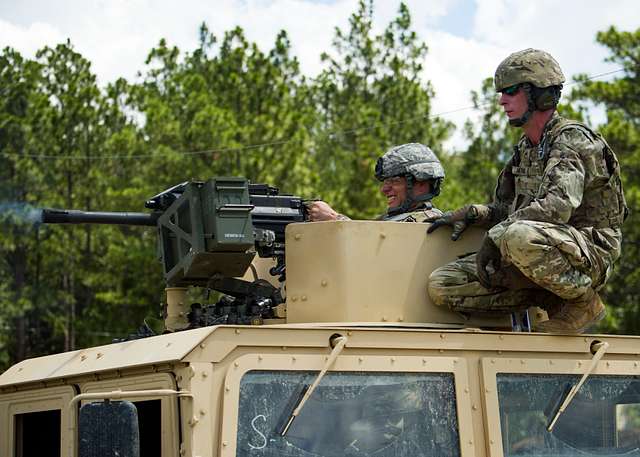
point(531, 107)
point(411, 200)
point(408, 200)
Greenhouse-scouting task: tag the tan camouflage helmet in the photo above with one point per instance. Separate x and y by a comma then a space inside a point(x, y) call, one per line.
point(528, 66)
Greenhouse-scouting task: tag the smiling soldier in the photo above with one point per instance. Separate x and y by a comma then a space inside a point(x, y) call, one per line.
point(411, 175)
point(554, 224)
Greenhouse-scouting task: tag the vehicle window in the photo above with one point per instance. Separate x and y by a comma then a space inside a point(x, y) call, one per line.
point(602, 419)
point(150, 427)
point(349, 414)
point(42, 425)
point(157, 417)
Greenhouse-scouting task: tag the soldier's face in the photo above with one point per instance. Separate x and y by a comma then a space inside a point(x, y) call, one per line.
point(395, 189)
point(514, 104)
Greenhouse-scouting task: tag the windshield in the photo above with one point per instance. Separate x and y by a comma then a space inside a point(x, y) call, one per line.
point(349, 414)
point(603, 418)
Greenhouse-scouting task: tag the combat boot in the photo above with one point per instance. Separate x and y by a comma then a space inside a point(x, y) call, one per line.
point(575, 316)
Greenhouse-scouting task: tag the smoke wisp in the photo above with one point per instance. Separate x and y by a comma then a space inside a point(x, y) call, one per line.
point(20, 213)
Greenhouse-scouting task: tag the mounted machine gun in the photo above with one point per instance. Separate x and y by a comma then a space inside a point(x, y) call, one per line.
point(208, 235)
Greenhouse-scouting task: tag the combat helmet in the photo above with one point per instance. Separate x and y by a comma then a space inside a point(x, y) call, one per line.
point(538, 73)
point(416, 162)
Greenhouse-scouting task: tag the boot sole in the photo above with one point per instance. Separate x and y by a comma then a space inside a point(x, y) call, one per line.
point(583, 329)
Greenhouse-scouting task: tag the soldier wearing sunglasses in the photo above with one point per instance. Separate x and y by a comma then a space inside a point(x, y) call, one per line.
point(554, 225)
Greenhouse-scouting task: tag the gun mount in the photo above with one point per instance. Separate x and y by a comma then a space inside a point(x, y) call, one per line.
point(209, 232)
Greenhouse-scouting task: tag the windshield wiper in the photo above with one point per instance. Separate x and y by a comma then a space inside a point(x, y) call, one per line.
point(601, 349)
point(338, 345)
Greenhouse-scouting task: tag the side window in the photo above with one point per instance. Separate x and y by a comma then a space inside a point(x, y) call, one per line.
point(150, 427)
point(35, 420)
point(350, 413)
point(157, 417)
point(45, 425)
point(122, 427)
point(602, 419)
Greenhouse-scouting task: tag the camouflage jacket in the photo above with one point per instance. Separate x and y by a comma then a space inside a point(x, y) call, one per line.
point(572, 177)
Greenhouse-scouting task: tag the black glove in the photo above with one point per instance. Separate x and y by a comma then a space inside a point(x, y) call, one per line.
point(488, 253)
point(459, 219)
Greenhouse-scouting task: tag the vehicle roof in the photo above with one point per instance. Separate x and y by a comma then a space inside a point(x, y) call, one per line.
point(170, 347)
point(219, 341)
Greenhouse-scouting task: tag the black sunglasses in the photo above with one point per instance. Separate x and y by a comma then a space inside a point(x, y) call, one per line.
point(511, 90)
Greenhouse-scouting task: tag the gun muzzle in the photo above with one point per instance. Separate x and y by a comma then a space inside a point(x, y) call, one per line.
point(70, 216)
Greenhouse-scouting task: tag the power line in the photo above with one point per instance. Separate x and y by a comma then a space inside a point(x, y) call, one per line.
point(285, 141)
point(599, 75)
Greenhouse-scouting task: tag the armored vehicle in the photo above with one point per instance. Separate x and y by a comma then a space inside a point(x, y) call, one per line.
point(349, 359)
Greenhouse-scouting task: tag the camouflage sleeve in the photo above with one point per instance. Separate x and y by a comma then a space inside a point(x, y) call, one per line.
point(563, 182)
point(503, 196)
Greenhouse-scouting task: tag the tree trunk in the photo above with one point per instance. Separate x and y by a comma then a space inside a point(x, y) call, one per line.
point(19, 273)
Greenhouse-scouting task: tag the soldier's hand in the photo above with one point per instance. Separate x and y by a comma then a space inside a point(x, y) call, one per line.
point(459, 220)
point(320, 211)
point(488, 254)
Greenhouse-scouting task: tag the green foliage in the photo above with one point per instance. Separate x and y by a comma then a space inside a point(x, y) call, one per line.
point(53, 277)
point(220, 100)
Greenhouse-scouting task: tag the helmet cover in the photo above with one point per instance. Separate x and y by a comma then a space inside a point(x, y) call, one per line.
point(532, 66)
point(412, 159)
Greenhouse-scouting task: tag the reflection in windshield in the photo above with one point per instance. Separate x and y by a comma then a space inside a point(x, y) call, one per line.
point(603, 418)
point(350, 414)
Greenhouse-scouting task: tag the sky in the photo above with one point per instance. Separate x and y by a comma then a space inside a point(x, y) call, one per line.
point(467, 39)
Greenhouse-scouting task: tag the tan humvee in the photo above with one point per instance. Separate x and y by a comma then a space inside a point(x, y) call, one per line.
point(362, 365)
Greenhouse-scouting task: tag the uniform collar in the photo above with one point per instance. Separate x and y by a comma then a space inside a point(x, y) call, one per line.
point(553, 120)
point(419, 207)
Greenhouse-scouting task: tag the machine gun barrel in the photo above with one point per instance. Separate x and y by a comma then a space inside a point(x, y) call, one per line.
point(66, 216)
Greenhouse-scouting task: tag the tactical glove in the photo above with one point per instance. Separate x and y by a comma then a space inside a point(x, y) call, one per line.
point(488, 254)
point(459, 219)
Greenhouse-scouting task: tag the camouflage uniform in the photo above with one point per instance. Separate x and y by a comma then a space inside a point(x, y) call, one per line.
point(556, 217)
point(423, 212)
